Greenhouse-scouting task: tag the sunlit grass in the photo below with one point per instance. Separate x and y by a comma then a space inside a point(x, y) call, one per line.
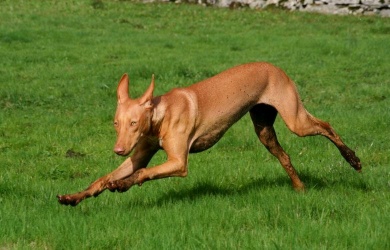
point(59, 66)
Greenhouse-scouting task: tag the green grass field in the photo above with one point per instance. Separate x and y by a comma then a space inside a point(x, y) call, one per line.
point(60, 62)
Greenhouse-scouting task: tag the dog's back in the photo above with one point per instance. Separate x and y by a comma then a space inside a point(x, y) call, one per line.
point(222, 100)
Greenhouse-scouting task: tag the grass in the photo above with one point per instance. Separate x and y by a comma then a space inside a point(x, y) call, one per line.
point(60, 63)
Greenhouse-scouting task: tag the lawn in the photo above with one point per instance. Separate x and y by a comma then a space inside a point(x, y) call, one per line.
point(60, 62)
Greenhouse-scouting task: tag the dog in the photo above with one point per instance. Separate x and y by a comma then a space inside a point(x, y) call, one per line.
point(192, 119)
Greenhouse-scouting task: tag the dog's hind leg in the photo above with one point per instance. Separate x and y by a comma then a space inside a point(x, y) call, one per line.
point(302, 123)
point(263, 117)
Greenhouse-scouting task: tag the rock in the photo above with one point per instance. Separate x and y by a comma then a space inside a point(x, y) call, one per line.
point(340, 7)
point(385, 13)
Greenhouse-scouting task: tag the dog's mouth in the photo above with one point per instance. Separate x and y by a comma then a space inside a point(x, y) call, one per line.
point(123, 151)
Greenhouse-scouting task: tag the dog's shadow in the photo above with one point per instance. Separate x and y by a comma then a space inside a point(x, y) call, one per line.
point(204, 189)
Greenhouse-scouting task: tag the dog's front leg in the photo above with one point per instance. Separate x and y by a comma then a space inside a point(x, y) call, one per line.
point(98, 186)
point(176, 166)
point(172, 168)
point(140, 159)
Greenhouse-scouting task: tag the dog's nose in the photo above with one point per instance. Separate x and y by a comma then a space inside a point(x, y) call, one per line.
point(119, 150)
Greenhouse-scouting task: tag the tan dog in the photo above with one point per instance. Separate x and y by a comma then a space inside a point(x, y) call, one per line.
point(194, 118)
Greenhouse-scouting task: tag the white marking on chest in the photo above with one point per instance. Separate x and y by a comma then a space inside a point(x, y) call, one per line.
point(160, 141)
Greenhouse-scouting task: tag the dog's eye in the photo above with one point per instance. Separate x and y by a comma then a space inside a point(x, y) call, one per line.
point(133, 123)
point(115, 124)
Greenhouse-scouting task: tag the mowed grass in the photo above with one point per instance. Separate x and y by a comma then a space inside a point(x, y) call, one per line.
point(60, 62)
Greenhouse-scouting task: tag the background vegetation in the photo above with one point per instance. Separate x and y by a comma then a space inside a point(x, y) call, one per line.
point(59, 66)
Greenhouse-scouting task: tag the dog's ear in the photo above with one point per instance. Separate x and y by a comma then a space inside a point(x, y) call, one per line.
point(122, 91)
point(146, 98)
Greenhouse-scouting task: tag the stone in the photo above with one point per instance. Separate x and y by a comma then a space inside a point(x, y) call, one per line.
point(340, 7)
point(385, 13)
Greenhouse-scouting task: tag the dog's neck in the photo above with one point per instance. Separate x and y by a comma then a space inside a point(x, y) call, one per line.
point(157, 116)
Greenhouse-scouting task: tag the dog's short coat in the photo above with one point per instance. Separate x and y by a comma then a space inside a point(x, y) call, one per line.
point(194, 118)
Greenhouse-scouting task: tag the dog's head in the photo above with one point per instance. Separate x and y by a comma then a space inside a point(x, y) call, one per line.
point(133, 116)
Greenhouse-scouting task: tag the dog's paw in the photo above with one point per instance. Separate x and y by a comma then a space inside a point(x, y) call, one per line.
point(68, 200)
point(354, 161)
point(119, 186)
point(350, 156)
point(124, 184)
point(112, 186)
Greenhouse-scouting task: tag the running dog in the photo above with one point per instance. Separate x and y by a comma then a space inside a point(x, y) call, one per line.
point(193, 119)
